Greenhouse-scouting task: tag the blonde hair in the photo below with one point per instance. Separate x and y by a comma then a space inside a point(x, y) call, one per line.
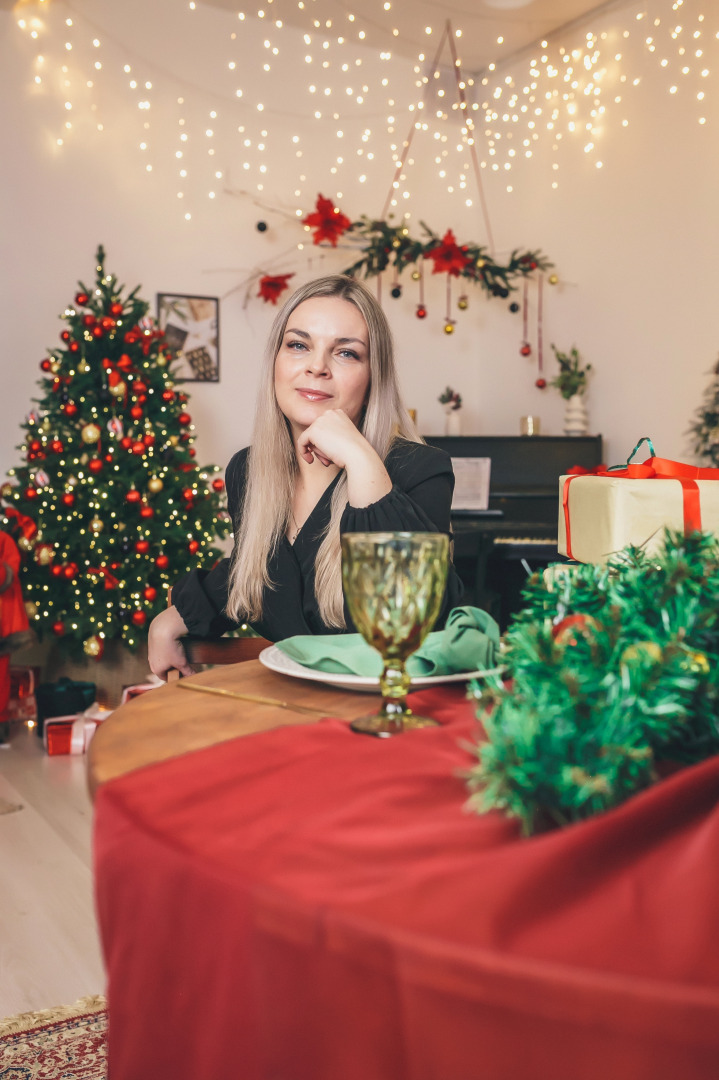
point(272, 463)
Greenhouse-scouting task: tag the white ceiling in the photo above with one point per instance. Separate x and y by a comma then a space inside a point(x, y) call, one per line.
point(521, 23)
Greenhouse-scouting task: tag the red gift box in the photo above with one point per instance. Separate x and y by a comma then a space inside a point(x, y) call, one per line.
point(22, 704)
point(64, 735)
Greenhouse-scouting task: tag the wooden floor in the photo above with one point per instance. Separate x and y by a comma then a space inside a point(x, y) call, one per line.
point(49, 949)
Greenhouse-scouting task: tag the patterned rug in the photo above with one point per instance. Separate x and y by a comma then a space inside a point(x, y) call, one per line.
point(56, 1044)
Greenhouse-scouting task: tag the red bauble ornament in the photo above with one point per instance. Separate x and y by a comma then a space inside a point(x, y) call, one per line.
point(193, 547)
point(162, 562)
point(68, 499)
point(217, 485)
point(136, 412)
point(95, 465)
point(526, 349)
point(148, 438)
point(192, 451)
point(116, 309)
point(142, 546)
point(56, 570)
point(58, 628)
point(168, 395)
point(97, 331)
point(70, 409)
point(73, 346)
point(421, 312)
point(147, 512)
point(70, 570)
point(138, 447)
point(88, 320)
point(56, 446)
point(107, 323)
point(139, 386)
point(31, 493)
point(133, 496)
point(540, 383)
point(81, 298)
point(35, 445)
point(184, 418)
point(188, 494)
point(150, 593)
point(65, 335)
point(139, 618)
point(46, 365)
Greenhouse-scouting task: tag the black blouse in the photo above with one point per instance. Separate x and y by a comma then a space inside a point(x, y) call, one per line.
point(420, 500)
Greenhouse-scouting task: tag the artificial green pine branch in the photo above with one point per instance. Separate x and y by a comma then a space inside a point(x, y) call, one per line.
point(612, 668)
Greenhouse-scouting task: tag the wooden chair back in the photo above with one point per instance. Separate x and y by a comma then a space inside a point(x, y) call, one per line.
point(226, 650)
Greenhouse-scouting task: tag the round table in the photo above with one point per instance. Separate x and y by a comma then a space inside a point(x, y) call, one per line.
point(281, 899)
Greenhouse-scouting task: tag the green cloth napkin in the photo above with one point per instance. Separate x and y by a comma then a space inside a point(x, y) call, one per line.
point(469, 642)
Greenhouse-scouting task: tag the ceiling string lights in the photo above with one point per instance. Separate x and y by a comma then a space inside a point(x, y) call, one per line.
point(337, 89)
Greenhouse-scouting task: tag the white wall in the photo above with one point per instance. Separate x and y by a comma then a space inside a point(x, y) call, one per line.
point(633, 242)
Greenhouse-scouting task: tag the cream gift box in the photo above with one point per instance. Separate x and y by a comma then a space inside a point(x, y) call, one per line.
point(605, 513)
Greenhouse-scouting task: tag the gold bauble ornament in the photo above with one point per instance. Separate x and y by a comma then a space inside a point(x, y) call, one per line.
point(6, 491)
point(97, 525)
point(24, 544)
point(54, 366)
point(161, 361)
point(697, 662)
point(46, 425)
point(44, 554)
point(416, 275)
point(92, 646)
point(553, 279)
point(449, 328)
point(83, 367)
point(30, 609)
point(643, 652)
point(155, 484)
point(118, 390)
point(463, 303)
point(174, 439)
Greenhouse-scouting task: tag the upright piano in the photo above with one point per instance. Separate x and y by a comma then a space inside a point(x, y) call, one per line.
point(495, 549)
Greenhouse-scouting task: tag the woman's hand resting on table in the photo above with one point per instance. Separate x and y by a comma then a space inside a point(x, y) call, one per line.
point(334, 440)
point(164, 647)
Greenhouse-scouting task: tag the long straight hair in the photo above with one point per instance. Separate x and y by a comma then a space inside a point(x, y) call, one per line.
point(273, 467)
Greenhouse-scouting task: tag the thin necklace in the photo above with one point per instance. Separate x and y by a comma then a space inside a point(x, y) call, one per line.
point(296, 533)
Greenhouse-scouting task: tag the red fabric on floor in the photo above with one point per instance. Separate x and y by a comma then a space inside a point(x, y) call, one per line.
point(310, 904)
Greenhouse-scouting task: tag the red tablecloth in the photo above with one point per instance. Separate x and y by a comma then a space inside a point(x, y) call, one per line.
point(309, 904)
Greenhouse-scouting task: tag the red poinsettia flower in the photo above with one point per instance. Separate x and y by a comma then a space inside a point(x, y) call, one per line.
point(448, 257)
point(271, 287)
point(327, 222)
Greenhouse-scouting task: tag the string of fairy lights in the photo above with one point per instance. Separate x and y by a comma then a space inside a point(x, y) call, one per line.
point(353, 99)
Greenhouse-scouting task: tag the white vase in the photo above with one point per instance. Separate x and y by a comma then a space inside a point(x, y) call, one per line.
point(452, 421)
point(576, 421)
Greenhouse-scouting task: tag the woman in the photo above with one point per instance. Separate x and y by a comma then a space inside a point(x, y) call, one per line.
point(333, 451)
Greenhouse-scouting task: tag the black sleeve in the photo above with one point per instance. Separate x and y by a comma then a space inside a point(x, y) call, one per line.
point(200, 596)
point(420, 501)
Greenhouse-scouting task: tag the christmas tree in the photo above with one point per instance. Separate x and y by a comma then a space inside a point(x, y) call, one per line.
point(109, 506)
point(705, 428)
point(613, 669)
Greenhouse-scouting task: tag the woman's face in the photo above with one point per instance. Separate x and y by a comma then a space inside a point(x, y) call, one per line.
point(323, 362)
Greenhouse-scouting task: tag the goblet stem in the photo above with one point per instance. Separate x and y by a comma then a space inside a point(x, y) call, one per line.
point(395, 715)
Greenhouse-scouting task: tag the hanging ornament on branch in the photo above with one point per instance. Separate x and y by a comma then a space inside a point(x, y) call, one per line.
point(272, 286)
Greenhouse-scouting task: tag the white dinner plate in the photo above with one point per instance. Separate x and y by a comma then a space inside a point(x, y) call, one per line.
point(276, 660)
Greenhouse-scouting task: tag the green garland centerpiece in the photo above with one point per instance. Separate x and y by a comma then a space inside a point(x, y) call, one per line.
point(613, 668)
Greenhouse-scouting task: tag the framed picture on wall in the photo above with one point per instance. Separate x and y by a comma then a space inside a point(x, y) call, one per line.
point(192, 329)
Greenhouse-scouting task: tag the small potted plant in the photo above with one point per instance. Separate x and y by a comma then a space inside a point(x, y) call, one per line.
point(572, 383)
point(452, 402)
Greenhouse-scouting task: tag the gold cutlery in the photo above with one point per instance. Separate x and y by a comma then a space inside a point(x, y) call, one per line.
point(256, 698)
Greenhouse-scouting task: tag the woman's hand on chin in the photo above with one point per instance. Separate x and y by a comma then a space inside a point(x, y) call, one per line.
point(333, 440)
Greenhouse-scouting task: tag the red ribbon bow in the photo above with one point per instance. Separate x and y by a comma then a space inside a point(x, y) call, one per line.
point(111, 582)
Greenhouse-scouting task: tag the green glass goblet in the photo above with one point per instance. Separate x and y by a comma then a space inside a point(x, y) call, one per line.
point(393, 585)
